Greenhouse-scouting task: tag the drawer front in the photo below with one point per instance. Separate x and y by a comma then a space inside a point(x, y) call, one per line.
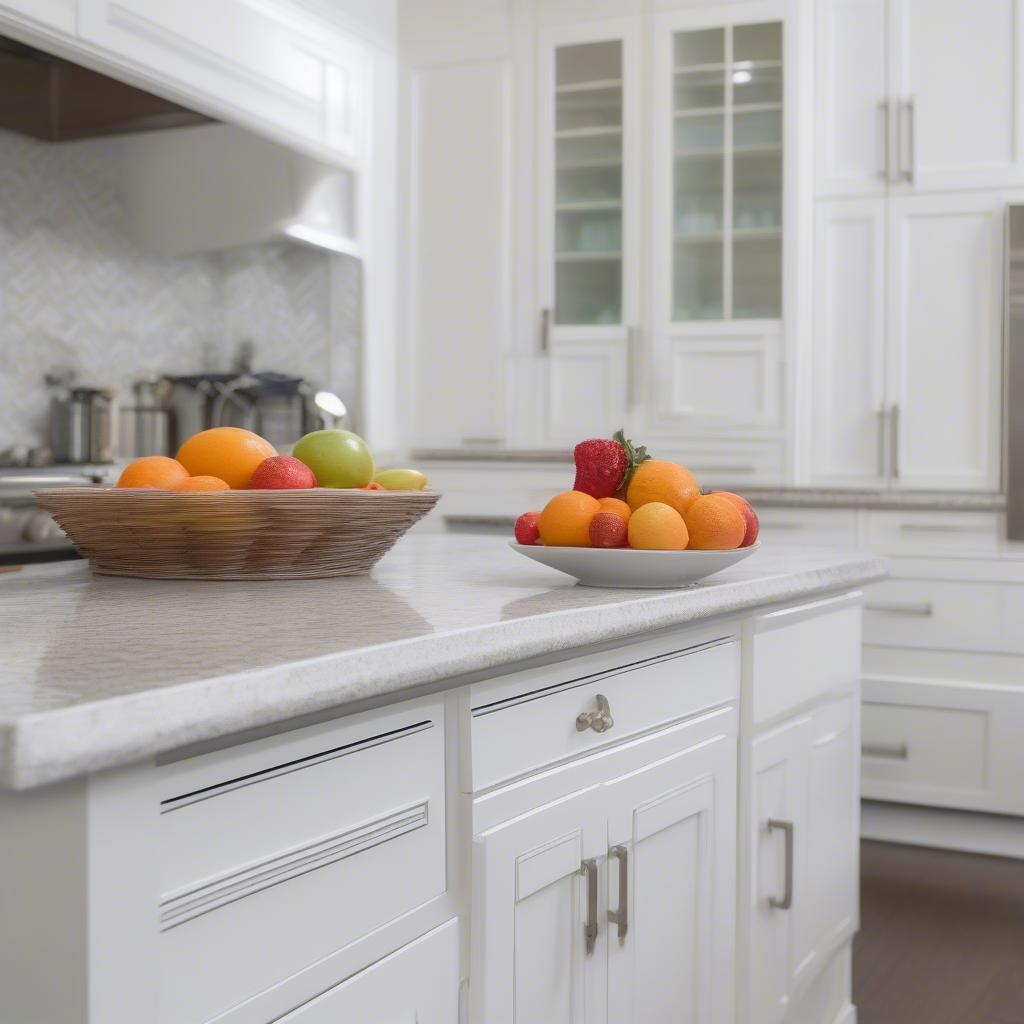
point(924, 746)
point(950, 615)
point(419, 983)
point(800, 654)
point(285, 850)
point(812, 527)
point(538, 728)
point(943, 744)
point(938, 533)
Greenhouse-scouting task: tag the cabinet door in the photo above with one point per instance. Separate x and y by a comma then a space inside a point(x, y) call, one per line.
point(944, 340)
point(460, 237)
point(827, 911)
point(234, 57)
point(956, 75)
point(853, 122)
point(535, 892)
point(417, 985)
point(772, 889)
point(588, 224)
point(52, 14)
point(671, 889)
point(848, 442)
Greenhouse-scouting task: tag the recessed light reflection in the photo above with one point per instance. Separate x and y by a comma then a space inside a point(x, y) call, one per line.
point(741, 77)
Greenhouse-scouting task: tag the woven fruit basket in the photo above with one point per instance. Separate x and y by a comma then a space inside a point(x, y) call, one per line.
point(234, 535)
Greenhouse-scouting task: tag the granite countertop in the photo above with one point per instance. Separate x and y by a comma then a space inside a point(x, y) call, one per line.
point(99, 671)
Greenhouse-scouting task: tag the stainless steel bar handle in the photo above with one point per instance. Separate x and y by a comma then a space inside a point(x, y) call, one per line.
point(883, 415)
point(620, 916)
point(922, 608)
point(600, 720)
point(786, 827)
point(896, 753)
point(884, 110)
point(911, 165)
point(894, 441)
point(589, 870)
point(545, 330)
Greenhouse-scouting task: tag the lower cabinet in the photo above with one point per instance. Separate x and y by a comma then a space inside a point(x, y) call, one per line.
point(419, 984)
point(801, 885)
point(614, 904)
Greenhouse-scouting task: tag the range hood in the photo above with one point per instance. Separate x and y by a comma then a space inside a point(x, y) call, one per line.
point(217, 186)
point(57, 101)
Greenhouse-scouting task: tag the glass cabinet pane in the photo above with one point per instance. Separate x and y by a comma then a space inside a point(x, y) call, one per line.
point(588, 183)
point(727, 173)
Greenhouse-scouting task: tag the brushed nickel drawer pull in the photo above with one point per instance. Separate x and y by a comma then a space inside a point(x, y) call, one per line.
point(923, 608)
point(938, 528)
point(589, 870)
point(600, 720)
point(894, 753)
point(786, 827)
point(620, 916)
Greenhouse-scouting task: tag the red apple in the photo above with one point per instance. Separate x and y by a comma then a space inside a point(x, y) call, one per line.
point(281, 473)
point(749, 516)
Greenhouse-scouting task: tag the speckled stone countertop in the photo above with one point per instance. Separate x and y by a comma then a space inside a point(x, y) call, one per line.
point(100, 671)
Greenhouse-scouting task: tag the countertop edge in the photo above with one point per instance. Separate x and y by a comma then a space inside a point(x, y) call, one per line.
point(47, 747)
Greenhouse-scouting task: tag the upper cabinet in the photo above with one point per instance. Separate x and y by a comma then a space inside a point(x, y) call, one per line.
point(46, 14)
point(589, 139)
point(918, 94)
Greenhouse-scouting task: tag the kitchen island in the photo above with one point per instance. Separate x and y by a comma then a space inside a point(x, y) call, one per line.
point(460, 785)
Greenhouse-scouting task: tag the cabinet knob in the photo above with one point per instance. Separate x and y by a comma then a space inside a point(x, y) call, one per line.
point(600, 720)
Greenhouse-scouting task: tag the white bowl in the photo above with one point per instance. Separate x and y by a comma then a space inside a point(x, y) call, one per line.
point(626, 567)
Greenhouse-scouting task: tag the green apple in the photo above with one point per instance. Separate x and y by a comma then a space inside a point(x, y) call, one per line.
point(338, 458)
point(401, 479)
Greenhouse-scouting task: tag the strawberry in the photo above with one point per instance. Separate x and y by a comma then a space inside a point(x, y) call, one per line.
point(603, 467)
point(527, 531)
point(608, 530)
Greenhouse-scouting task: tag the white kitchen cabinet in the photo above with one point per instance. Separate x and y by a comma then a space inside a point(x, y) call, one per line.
point(671, 870)
point(907, 367)
point(945, 317)
point(419, 983)
point(848, 436)
point(852, 85)
point(918, 95)
point(779, 796)
point(588, 229)
point(461, 294)
point(56, 15)
point(539, 952)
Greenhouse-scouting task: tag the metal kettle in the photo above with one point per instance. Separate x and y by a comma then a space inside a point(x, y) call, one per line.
point(81, 425)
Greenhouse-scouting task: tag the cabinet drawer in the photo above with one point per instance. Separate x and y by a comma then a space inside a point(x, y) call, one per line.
point(943, 744)
point(942, 533)
point(280, 852)
point(924, 746)
point(802, 653)
point(950, 615)
point(418, 983)
point(809, 526)
point(539, 726)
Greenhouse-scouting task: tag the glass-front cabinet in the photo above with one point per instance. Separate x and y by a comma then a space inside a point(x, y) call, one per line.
point(727, 173)
point(660, 230)
point(588, 224)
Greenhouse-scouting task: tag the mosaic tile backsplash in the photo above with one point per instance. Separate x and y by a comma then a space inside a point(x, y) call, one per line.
point(76, 292)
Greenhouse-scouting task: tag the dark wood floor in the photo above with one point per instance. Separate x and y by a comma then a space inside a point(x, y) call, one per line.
point(941, 939)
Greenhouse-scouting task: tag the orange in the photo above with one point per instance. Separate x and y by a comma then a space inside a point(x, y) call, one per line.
point(715, 523)
point(565, 521)
point(230, 453)
point(201, 483)
point(153, 471)
point(616, 506)
point(668, 482)
point(657, 527)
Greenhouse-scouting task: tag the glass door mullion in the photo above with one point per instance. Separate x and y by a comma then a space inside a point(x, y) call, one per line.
point(727, 180)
